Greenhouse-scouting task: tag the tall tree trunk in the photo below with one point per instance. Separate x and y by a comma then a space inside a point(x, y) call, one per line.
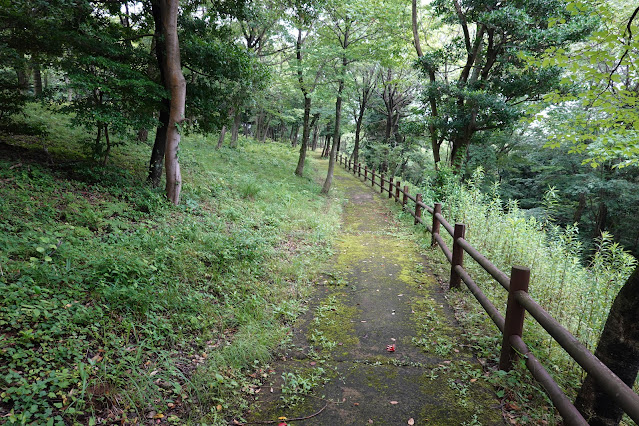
point(336, 134)
point(327, 146)
point(220, 141)
point(601, 219)
point(37, 79)
point(23, 78)
point(580, 208)
point(305, 136)
point(98, 141)
point(358, 132)
point(108, 145)
point(159, 145)
point(258, 125)
point(315, 131)
point(418, 46)
point(434, 140)
point(176, 85)
point(618, 348)
point(237, 120)
point(265, 129)
point(458, 151)
point(143, 135)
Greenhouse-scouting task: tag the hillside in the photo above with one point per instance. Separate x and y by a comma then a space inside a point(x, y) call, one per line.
point(117, 305)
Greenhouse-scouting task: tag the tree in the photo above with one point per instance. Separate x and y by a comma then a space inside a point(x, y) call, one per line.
point(606, 131)
point(176, 85)
point(303, 15)
point(351, 27)
point(493, 83)
point(365, 80)
point(618, 348)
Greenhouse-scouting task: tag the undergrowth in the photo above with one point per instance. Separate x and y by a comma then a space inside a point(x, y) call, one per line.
point(118, 307)
point(579, 295)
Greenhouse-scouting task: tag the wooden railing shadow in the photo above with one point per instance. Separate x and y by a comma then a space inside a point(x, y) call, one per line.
point(519, 302)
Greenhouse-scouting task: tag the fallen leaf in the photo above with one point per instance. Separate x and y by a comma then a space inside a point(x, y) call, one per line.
point(393, 339)
point(158, 416)
point(394, 402)
point(390, 348)
point(356, 403)
point(473, 380)
point(411, 421)
point(313, 363)
point(370, 421)
point(218, 408)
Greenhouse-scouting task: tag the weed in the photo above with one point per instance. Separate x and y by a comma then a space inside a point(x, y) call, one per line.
point(117, 304)
point(296, 386)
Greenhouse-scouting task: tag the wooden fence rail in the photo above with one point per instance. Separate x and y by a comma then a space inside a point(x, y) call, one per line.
point(519, 302)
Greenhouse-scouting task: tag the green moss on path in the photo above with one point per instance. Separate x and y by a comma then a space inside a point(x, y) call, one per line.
point(383, 297)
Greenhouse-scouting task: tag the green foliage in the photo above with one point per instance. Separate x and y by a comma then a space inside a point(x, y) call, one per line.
point(578, 297)
point(109, 292)
point(222, 76)
point(494, 83)
point(602, 72)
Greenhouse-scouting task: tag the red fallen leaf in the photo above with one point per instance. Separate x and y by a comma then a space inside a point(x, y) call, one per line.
point(282, 424)
point(390, 348)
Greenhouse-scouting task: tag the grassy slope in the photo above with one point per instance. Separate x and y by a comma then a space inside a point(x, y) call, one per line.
point(116, 305)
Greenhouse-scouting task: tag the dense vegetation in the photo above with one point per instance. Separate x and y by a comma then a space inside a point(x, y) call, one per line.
point(115, 302)
point(516, 115)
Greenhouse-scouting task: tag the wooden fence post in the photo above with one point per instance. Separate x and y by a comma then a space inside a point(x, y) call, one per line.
point(359, 169)
point(365, 172)
point(350, 164)
point(381, 183)
point(418, 208)
point(437, 209)
point(458, 255)
point(405, 197)
point(373, 178)
point(514, 323)
point(390, 187)
point(397, 184)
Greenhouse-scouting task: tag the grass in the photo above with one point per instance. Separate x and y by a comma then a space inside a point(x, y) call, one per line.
point(120, 307)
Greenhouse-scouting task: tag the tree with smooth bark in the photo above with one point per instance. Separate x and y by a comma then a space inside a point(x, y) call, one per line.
point(175, 84)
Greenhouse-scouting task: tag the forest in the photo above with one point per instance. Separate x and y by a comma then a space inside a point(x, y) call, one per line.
point(167, 200)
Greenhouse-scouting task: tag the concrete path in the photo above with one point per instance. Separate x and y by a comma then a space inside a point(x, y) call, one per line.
point(377, 293)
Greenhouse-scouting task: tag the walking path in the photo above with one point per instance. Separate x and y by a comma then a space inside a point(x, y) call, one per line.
point(379, 293)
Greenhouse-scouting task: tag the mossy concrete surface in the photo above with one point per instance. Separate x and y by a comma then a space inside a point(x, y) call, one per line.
point(379, 293)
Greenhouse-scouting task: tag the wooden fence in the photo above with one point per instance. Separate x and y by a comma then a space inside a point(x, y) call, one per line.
point(519, 302)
